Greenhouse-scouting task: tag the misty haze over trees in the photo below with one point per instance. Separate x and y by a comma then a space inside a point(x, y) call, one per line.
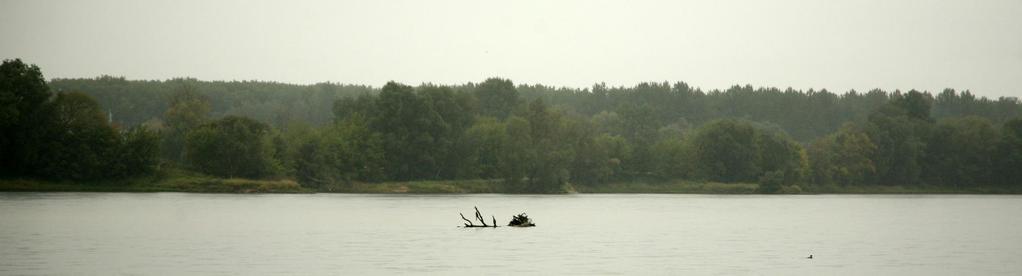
point(535, 138)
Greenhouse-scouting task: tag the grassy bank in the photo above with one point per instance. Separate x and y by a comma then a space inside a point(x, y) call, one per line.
point(168, 181)
point(477, 186)
point(190, 182)
point(671, 187)
point(914, 189)
point(695, 187)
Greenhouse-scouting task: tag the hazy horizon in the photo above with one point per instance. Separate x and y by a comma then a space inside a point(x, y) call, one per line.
point(833, 45)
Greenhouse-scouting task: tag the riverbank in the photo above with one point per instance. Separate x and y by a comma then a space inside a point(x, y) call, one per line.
point(475, 186)
point(671, 187)
point(914, 189)
point(196, 183)
point(188, 182)
point(177, 181)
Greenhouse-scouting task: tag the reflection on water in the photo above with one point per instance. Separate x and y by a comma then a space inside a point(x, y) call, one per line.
point(169, 233)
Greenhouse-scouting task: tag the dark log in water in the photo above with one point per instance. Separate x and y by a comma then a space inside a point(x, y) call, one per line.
point(479, 217)
point(469, 224)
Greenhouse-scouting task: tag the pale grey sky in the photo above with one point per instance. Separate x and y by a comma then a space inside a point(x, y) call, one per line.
point(836, 44)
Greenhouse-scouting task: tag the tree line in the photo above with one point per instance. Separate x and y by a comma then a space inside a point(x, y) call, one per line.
point(64, 136)
point(535, 138)
point(804, 115)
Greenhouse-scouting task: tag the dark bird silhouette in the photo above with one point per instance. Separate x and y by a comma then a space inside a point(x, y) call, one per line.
point(810, 256)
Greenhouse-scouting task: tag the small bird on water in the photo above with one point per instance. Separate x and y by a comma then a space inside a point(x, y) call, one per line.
point(810, 256)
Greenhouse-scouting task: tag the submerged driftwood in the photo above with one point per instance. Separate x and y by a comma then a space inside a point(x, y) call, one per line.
point(479, 216)
point(520, 220)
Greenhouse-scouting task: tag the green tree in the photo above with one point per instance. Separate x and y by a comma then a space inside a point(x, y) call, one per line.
point(672, 157)
point(23, 91)
point(232, 147)
point(900, 139)
point(738, 151)
point(455, 115)
point(617, 149)
point(486, 140)
point(549, 167)
point(915, 104)
point(597, 158)
point(188, 110)
point(725, 150)
point(409, 127)
point(961, 153)
point(1009, 157)
point(518, 154)
point(843, 158)
point(609, 122)
point(640, 126)
point(311, 166)
point(355, 151)
point(138, 152)
point(301, 152)
point(364, 104)
point(780, 155)
point(497, 97)
point(75, 142)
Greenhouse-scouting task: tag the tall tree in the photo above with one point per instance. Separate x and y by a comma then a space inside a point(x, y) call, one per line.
point(23, 91)
point(915, 104)
point(548, 169)
point(138, 153)
point(355, 151)
point(486, 140)
point(725, 151)
point(188, 110)
point(232, 147)
point(738, 151)
point(76, 141)
point(518, 154)
point(899, 130)
point(640, 124)
point(409, 126)
point(1009, 157)
point(961, 153)
point(843, 158)
point(497, 97)
point(780, 155)
point(455, 115)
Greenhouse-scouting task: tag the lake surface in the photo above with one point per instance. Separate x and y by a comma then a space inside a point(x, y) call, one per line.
point(172, 233)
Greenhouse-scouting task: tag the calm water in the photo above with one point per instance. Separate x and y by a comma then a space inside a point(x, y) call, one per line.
point(170, 233)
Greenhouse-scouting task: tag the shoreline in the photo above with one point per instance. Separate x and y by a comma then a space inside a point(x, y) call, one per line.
point(206, 184)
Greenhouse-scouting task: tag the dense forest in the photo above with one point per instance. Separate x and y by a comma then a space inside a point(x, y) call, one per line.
point(535, 138)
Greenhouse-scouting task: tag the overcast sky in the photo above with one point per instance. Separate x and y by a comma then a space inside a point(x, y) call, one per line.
point(837, 45)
